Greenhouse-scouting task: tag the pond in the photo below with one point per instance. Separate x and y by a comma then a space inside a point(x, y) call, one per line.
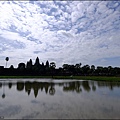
point(59, 99)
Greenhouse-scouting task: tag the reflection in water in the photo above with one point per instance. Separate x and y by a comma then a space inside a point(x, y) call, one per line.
point(86, 86)
point(20, 86)
point(59, 99)
point(49, 87)
point(10, 85)
point(93, 86)
point(3, 95)
point(111, 85)
point(0, 85)
point(72, 86)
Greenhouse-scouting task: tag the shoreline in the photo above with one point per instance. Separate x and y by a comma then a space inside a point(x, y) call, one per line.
point(95, 78)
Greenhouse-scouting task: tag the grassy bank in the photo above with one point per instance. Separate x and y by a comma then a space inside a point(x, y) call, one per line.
point(89, 78)
point(99, 78)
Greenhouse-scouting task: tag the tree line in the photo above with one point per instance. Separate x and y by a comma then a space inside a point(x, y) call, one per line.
point(49, 69)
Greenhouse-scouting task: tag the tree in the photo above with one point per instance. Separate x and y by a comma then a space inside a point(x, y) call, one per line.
point(86, 69)
point(52, 67)
point(72, 69)
point(7, 59)
point(21, 66)
point(110, 70)
point(92, 69)
point(77, 66)
point(99, 70)
point(65, 66)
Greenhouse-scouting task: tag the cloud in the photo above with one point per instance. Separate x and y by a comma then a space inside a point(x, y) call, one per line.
point(63, 31)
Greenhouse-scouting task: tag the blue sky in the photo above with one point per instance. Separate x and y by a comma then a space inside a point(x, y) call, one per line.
point(86, 32)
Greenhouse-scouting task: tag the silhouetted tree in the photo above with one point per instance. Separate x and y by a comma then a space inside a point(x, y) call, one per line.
point(92, 69)
point(110, 70)
point(65, 66)
point(77, 66)
point(99, 70)
point(52, 67)
point(21, 66)
point(7, 59)
point(66, 69)
point(86, 69)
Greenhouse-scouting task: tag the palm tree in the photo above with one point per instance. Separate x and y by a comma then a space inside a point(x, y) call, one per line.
point(7, 59)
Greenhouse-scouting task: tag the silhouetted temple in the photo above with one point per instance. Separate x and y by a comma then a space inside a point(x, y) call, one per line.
point(49, 69)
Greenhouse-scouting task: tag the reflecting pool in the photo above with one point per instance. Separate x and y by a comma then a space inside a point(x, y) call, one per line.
point(59, 99)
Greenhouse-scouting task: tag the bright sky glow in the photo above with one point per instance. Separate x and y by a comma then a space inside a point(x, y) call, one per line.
point(86, 32)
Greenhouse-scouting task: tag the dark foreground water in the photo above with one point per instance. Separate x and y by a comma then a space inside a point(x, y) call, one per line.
point(46, 98)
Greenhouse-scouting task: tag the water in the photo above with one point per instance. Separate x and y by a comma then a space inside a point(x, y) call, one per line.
point(59, 99)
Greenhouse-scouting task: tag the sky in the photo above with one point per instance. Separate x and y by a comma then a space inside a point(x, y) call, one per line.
point(64, 32)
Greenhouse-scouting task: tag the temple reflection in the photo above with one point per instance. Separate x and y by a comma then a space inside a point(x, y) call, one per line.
point(49, 87)
point(10, 85)
point(20, 86)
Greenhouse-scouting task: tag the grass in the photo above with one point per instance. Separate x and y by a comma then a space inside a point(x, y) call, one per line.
point(96, 78)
